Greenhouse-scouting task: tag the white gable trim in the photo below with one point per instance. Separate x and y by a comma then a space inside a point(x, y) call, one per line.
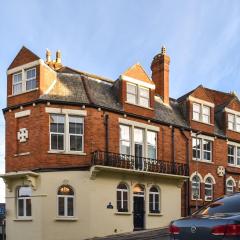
point(137, 81)
point(228, 110)
point(138, 124)
point(197, 100)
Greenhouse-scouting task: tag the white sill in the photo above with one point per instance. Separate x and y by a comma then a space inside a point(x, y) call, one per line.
point(70, 219)
point(208, 200)
point(199, 199)
point(232, 130)
point(13, 95)
point(138, 105)
point(203, 161)
point(123, 213)
point(155, 214)
point(23, 219)
point(67, 153)
point(210, 124)
point(233, 165)
point(21, 154)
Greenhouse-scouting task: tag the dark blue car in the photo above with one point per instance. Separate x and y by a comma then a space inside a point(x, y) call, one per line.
point(219, 220)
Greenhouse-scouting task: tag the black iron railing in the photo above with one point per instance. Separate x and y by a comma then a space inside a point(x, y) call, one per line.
point(138, 163)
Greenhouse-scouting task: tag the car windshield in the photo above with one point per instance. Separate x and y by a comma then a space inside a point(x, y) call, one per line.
point(227, 204)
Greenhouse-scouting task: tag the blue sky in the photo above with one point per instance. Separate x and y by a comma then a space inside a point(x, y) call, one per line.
point(105, 37)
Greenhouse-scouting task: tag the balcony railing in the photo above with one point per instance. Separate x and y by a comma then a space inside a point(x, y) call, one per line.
point(138, 163)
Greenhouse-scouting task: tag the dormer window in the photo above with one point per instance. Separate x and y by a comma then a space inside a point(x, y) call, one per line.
point(233, 122)
point(138, 95)
point(24, 81)
point(201, 113)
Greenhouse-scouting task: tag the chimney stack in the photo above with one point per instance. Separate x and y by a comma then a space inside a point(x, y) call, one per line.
point(160, 74)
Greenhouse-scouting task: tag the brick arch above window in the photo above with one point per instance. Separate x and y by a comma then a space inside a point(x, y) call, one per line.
point(209, 175)
point(198, 174)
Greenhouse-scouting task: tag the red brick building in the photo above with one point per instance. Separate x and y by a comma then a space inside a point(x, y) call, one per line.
point(148, 157)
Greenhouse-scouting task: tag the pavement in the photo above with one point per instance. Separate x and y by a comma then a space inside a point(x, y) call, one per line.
point(154, 234)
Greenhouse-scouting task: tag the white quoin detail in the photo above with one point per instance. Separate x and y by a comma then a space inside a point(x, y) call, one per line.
point(22, 135)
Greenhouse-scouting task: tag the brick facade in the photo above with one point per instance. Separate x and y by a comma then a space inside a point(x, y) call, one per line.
point(174, 142)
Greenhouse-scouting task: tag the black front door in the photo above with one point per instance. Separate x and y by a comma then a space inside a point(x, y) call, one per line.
point(138, 216)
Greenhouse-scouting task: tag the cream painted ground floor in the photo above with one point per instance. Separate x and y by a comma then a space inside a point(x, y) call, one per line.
point(76, 205)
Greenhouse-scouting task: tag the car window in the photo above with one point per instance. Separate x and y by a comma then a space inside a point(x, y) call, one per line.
point(227, 204)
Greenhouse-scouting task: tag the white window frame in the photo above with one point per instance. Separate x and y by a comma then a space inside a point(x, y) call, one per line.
point(211, 188)
point(154, 194)
point(30, 79)
point(125, 140)
point(148, 144)
point(21, 82)
point(66, 138)
point(231, 187)
point(138, 95)
point(198, 187)
point(66, 197)
point(24, 204)
point(201, 140)
point(201, 114)
point(24, 81)
point(235, 155)
point(122, 191)
point(135, 95)
point(234, 122)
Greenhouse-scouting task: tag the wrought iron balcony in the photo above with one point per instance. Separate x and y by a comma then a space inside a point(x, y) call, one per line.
point(124, 161)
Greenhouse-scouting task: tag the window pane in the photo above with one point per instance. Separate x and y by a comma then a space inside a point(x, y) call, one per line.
point(206, 110)
point(238, 155)
point(28, 207)
point(75, 143)
point(144, 92)
point(17, 88)
point(196, 145)
point(131, 93)
point(196, 111)
point(125, 147)
point(75, 125)
point(61, 206)
point(131, 88)
point(152, 152)
point(138, 135)
point(31, 73)
point(70, 206)
point(124, 132)
point(57, 141)
point(57, 123)
point(32, 84)
point(230, 121)
point(25, 192)
point(17, 78)
point(20, 207)
point(131, 98)
point(151, 138)
point(231, 154)
point(144, 102)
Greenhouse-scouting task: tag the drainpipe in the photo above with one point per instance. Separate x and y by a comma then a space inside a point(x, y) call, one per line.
point(187, 183)
point(106, 119)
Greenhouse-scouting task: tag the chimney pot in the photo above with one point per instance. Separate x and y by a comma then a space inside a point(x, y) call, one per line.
point(48, 55)
point(163, 50)
point(58, 56)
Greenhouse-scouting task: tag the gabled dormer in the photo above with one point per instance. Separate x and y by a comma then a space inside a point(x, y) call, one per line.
point(137, 91)
point(199, 109)
point(28, 77)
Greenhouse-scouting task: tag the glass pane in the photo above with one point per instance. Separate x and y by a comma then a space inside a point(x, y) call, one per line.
point(138, 135)
point(75, 125)
point(144, 102)
point(32, 84)
point(57, 123)
point(17, 78)
point(230, 117)
point(122, 186)
point(28, 207)
point(125, 147)
point(17, 88)
point(119, 205)
point(207, 145)
point(124, 132)
point(151, 138)
point(144, 92)
point(196, 107)
point(151, 152)
point(153, 189)
point(131, 98)
point(57, 141)
point(131, 88)
point(31, 73)
point(196, 116)
point(70, 206)
point(60, 206)
point(125, 196)
point(20, 207)
point(206, 110)
point(206, 119)
point(125, 206)
point(25, 192)
point(138, 150)
point(75, 143)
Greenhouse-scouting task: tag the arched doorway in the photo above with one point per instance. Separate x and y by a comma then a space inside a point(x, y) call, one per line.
point(138, 207)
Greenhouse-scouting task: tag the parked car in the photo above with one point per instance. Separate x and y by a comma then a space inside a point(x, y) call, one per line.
point(220, 220)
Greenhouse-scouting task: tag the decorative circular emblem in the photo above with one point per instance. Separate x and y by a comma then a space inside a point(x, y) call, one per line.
point(221, 171)
point(193, 229)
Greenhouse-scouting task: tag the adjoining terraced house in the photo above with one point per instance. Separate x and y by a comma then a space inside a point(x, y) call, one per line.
point(88, 156)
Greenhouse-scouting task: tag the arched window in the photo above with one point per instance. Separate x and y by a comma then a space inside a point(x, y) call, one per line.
point(24, 205)
point(209, 189)
point(196, 187)
point(229, 186)
point(122, 198)
point(154, 200)
point(65, 201)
